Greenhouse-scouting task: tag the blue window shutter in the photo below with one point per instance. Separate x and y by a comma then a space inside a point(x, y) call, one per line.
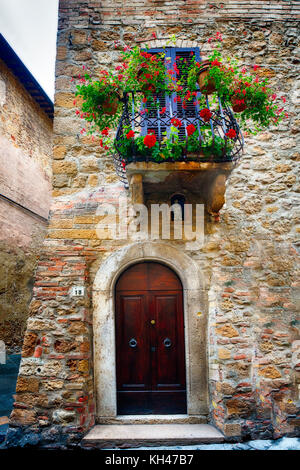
point(152, 121)
point(191, 111)
point(170, 102)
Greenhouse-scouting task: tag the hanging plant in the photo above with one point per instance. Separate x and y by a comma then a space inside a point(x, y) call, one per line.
point(248, 95)
point(147, 74)
point(100, 100)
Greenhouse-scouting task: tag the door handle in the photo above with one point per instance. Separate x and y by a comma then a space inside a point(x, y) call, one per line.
point(167, 342)
point(132, 343)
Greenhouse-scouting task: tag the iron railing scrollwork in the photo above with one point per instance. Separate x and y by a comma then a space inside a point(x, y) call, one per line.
point(135, 118)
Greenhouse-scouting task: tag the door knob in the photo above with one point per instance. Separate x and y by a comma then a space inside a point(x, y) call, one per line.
point(152, 322)
point(132, 343)
point(167, 342)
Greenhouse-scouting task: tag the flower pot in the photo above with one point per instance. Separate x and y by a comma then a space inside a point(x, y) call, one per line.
point(237, 107)
point(110, 105)
point(207, 85)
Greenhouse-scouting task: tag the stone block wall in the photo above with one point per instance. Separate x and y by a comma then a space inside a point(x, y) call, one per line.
point(249, 259)
point(25, 160)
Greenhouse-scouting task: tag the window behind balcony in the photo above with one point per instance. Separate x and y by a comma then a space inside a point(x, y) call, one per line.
point(173, 104)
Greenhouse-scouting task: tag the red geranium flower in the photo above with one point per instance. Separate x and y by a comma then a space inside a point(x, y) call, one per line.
point(176, 122)
point(216, 63)
point(105, 131)
point(150, 140)
point(190, 129)
point(130, 134)
point(231, 134)
point(205, 114)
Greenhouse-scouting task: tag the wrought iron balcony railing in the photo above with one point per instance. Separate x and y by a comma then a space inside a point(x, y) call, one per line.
point(136, 117)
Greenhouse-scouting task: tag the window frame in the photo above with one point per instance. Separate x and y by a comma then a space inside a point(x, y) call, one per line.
point(170, 100)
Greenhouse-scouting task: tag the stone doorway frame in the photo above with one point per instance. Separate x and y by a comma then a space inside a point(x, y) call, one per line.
point(195, 323)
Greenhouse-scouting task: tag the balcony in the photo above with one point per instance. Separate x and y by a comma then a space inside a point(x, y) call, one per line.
point(207, 153)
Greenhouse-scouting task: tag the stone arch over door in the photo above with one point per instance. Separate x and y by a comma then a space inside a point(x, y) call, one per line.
point(194, 301)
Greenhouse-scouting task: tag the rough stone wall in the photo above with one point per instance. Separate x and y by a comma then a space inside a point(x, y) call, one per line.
point(25, 159)
point(249, 259)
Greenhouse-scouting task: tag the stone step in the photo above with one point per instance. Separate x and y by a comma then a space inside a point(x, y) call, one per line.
point(155, 419)
point(134, 435)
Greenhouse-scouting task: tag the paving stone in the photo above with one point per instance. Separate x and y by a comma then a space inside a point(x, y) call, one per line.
point(286, 443)
point(260, 444)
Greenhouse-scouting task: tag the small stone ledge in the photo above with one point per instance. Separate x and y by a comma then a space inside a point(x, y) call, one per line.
point(165, 42)
point(140, 167)
point(154, 419)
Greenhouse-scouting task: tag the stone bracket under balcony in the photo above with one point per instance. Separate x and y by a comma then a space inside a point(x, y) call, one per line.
point(206, 180)
point(196, 172)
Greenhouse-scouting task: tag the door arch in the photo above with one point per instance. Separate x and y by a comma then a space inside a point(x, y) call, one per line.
point(195, 317)
point(150, 347)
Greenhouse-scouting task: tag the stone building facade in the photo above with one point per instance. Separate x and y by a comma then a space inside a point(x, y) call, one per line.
point(26, 121)
point(240, 289)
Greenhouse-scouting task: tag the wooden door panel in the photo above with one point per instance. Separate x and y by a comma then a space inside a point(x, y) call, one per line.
point(161, 278)
point(149, 310)
point(133, 370)
point(169, 347)
point(135, 278)
point(168, 402)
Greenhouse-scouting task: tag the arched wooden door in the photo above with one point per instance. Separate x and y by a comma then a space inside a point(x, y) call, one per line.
point(150, 341)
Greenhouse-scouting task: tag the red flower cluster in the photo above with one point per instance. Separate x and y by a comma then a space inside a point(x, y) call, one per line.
point(205, 114)
point(218, 35)
point(231, 134)
point(190, 129)
point(150, 140)
point(105, 131)
point(130, 135)
point(176, 122)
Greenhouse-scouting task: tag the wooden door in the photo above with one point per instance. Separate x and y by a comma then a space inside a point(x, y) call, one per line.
point(150, 341)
